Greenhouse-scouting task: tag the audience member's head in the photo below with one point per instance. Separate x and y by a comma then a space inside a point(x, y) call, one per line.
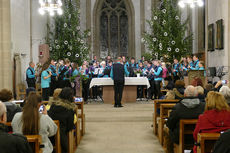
point(6, 95)
point(197, 82)
point(30, 115)
point(3, 116)
point(56, 93)
point(225, 91)
point(200, 90)
point(179, 84)
point(209, 87)
point(170, 95)
point(190, 91)
point(28, 90)
point(67, 94)
point(216, 100)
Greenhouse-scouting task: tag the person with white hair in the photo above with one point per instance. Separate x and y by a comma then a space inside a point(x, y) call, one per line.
point(11, 143)
point(189, 107)
point(225, 91)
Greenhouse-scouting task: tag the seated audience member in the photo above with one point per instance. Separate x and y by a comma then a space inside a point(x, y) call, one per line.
point(208, 88)
point(31, 122)
point(223, 144)
point(170, 95)
point(197, 82)
point(11, 143)
point(179, 89)
point(188, 108)
point(63, 109)
point(216, 117)
point(201, 95)
point(6, 96)
point(225, 91)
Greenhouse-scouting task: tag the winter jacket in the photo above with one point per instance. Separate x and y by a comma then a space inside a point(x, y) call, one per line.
point(188, 108)
point(47, 129)
point(63, 111)
point(12, 109)
point(13, 143)
point(212, 121)
point(223, 144)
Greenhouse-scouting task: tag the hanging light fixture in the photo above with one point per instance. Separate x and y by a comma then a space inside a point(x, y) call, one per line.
point(50, 6)
point(191, 3)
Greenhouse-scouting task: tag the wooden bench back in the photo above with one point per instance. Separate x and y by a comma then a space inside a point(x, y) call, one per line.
point(187, 126)
point(157, 104)
point(35, 142)
point(164, 109)
point(206, 142)
point(57, 146)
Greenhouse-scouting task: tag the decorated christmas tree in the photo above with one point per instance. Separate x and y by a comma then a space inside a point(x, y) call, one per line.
point(66, 39)
point(168, 36)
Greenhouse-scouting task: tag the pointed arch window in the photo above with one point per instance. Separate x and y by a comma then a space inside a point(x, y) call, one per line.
point(114, 28)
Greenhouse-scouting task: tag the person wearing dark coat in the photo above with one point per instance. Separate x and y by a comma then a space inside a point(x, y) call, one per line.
point(63, 109)
point(6, 96)
point(223, 144)
point(188, 108)
point(11, 143)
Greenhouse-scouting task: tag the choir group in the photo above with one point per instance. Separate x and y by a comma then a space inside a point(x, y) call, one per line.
point(63, 73)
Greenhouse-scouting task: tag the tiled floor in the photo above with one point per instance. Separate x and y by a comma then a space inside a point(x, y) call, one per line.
point(119, 130)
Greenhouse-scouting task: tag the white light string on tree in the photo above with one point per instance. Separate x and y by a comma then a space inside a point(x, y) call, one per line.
point(191, 3)
point(50, 6)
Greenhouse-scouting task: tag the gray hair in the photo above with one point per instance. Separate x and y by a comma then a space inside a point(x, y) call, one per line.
point(190, 91)
point(2, 108)
point(225, 91)
point(200, 90)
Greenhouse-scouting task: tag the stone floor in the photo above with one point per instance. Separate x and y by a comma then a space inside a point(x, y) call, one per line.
point(119, 130)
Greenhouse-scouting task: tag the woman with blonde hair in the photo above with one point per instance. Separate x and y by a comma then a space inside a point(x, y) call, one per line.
point(216, 117)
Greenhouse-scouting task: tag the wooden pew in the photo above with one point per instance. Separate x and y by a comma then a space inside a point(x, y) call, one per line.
point(164, 109)
point(206, 142)
point(81, 116)
point(157, 104)
point(57, 145)
point(35, 142)
point(187, 126)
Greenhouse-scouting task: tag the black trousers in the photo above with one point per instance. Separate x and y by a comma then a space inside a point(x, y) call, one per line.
point(45, 94)
point(157, 89)
point(53, 86)
point(95, 92)
point(140, 91)
point(118, 91)
point(151, 89)
point(85, 89)
point(31, 84)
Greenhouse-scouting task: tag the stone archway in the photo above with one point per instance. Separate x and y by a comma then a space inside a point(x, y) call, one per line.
point(103, 45)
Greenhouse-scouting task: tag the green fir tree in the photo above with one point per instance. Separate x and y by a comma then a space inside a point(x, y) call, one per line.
point(168, 36)
point(66, 39)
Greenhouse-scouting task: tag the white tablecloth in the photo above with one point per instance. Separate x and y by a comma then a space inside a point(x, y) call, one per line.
point(128, 81)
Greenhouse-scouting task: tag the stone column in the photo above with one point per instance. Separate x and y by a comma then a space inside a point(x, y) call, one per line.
point(5, 50)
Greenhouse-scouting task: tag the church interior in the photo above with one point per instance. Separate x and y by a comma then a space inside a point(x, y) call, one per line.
point(115, 76)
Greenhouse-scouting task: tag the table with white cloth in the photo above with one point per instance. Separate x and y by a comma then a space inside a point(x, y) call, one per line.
point(129, 92)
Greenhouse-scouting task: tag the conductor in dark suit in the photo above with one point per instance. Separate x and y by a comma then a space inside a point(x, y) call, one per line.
point(117, 73)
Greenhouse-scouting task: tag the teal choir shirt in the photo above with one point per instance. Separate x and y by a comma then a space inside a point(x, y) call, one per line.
point(45, 83)
point(29, 73)
point(195, 66)
point(75, 72)
point(159, 71)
